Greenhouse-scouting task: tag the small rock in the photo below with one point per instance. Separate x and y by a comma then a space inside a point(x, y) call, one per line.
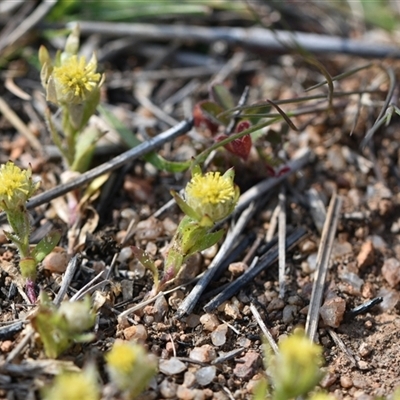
point(205, 375)
point(172, 366)
point(359, 382)
point(364, 350)
point(366, 256)
point(295, 300)
point(378, 242)
point(218, 337)
point(346, 382)
point(244, 342)
point(288, 313)
point(205, 353)
point(127, 289)
point(332, 311)
point(209, 322)
point(390, 298)
point(189, 379)
point(363, 366)
point(237, 268)
point(192, 320)
point(341, 249)
point(135, 332)
point(248, 365)
point(56, 261)
point(275, 304)
point(160, 309)
point(6, 346)
point(311, 264)
point(168, 389)
point(232, 310)
point(328, 380)
point(391, 271)
point(125, 254)
point(184, 393)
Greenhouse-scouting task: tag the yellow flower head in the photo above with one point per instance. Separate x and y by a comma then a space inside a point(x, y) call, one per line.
point(74, 385)
point(297, 366)
point(129, 367)
point(213, 195)
point(16, 186)
point(74, 80)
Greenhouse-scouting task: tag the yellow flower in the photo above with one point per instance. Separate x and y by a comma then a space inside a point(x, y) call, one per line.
point(74, 385)
point(296, 368)
point(16, 186)
point(213, 195)
point(129, 367)
point(74, 80)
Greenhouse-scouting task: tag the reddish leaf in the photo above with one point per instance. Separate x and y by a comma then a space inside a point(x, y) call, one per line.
point(240, 147)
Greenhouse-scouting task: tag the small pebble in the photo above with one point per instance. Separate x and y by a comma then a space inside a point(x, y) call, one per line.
point(218, 337)
point(346, 382)
point(205, 375)
point(160, 309)
point(232, 310)
point(237, 268)
point(391, 271)
point(209, 322)
point(168, 388)
point(192, 320)
point(288, 313)
point(184, 393)
point(127, 289)
point(125, 254)
point(366, 256)
point(275, 304)
point(56, 261)
point(205, 353)
point(363, 365)
point(341, 249)
point(328, 380)
point(189, 379)
point(248, 365)
point(359, 382)
point(135, 332)
point(332, 311)
point(6, 346)
point(172, 366)
point(364, 350)
point(390, 298)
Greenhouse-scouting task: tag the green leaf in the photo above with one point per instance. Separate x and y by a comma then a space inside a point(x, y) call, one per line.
point(185, 207)
point(84, 148)
point(205, 242)
point(214, 112)
point(46, 245)
point(222, 96)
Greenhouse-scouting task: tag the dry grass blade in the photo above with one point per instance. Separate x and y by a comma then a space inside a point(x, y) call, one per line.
point(19, 125)
point(264, 328)
point(265, 261)
point(261, 38)
point(322, 265)
point(282, 242)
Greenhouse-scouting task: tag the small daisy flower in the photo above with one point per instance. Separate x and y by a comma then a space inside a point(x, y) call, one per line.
point(74, 385)
point(129, 367)
point(75, 80)
point(213, 195)
point(16, 186)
